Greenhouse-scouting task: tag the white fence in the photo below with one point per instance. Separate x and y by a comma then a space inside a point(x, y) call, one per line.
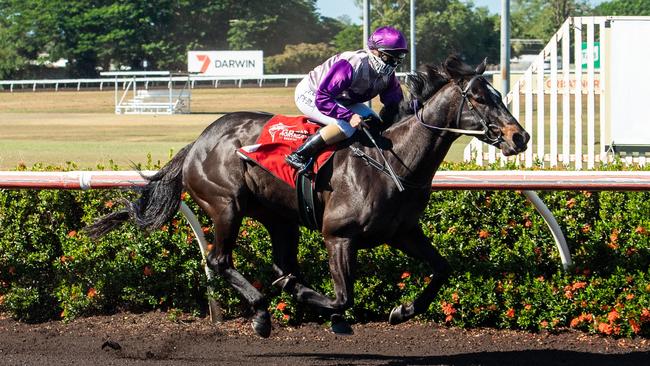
point(148, 80)
point(99, 83)
point(563, 104)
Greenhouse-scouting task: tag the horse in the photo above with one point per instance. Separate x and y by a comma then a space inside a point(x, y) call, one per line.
point(362, 207)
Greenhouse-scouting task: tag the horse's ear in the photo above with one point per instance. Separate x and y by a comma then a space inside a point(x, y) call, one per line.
point(480, 69)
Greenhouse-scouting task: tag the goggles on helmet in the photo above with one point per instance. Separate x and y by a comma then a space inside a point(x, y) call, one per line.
point(392, 58)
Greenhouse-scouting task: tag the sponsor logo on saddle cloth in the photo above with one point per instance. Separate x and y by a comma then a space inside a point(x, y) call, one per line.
point(280, 136)
point(286, 133)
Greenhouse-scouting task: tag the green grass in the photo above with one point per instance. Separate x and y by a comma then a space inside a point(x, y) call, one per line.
point(54, 128)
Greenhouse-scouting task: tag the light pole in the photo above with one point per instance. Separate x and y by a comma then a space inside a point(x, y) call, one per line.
point(412, 36)
point(505, 47)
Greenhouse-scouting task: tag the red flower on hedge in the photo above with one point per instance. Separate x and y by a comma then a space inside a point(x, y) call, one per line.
point(605, 328)
point(405, 275)
point(454, 297)
point(613, 316)
point(281, 306)
point(579, 285)
point(72, 234)
point(645, 316)
point(147, 271)
point(636, 328)
point(483, 234)
point(108, 204)
point(510, 313)
point(447, 308)
point(91, 292)
point(543, 324)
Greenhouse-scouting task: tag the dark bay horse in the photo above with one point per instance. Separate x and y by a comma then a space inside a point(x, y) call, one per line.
point(362, 206)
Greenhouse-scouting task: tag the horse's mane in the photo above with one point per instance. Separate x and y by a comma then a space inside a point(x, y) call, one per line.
point(429, 79)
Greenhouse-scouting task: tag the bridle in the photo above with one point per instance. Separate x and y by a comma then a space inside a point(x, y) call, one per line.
point(488, 132)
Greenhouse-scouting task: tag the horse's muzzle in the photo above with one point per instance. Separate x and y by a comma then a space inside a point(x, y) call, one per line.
point(516, 144)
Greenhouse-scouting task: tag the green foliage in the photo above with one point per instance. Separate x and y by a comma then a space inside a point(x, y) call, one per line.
point(350, 38)
point(106, 34)
point(623, 7)
point(540, 19)
point(442, 27)
point(506, 268)
point(300, 58)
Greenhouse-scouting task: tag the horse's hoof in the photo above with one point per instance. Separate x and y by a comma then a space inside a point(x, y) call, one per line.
point(262, 323)
point(340, 326)
point(397, 315)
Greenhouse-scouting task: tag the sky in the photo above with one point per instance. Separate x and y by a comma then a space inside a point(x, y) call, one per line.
point(336, 8)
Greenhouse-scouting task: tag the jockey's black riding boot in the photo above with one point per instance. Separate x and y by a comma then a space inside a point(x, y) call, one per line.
point(300, 158)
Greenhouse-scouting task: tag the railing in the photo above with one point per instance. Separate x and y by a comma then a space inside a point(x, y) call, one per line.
point(195, 80)
point(527, 181)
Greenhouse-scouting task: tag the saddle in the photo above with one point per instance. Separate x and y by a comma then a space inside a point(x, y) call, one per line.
point(280, 136)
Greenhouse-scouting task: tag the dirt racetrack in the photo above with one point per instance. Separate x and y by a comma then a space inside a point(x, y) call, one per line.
point(153, 339)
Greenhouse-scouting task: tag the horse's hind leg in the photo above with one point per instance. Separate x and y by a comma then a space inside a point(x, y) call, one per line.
point(226, 228)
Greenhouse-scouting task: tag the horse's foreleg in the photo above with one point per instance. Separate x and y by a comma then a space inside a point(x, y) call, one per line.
point(226, 228)
point(415, 244)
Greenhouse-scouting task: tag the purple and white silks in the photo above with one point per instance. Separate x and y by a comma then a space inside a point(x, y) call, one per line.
point(334, 91)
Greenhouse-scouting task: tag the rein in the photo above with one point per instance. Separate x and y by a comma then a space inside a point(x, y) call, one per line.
point(384, 168)
point(485, 132)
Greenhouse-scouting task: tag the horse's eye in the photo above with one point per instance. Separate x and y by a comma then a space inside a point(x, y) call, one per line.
point(479, 98)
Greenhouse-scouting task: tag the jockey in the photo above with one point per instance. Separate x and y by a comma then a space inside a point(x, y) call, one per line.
point(334, 92)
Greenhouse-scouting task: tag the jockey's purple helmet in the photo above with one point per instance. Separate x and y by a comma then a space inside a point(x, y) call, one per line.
point(387, 39)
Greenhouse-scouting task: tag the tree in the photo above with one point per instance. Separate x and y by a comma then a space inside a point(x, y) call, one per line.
point(100, 34)
point(300, 58)
point(540, 19)
point(10, 60)
point(623, 7)
point(350, 38)
point(270, 25)
point(442, 27)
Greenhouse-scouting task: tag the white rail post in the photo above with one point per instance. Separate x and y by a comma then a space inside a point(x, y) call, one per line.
point(560, 241)
point(553, 107)
point(528, 114)
point(566, 94)
point(540, 109)
point(577, 32)
point(601, 89)
point(216, 313)
point(591, 132)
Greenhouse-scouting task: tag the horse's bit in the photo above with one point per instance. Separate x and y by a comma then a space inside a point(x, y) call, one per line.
point(489, 129)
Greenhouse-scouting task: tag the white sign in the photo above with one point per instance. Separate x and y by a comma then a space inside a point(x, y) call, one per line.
point(226, 63)
point(627, 81)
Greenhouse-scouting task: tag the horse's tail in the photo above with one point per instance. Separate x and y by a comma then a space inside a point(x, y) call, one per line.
point(158, 203)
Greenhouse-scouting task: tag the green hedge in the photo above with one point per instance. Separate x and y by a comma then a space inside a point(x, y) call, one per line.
point(507, 270)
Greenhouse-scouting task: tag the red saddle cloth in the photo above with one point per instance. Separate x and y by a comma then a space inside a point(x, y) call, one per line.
point(280, 136)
